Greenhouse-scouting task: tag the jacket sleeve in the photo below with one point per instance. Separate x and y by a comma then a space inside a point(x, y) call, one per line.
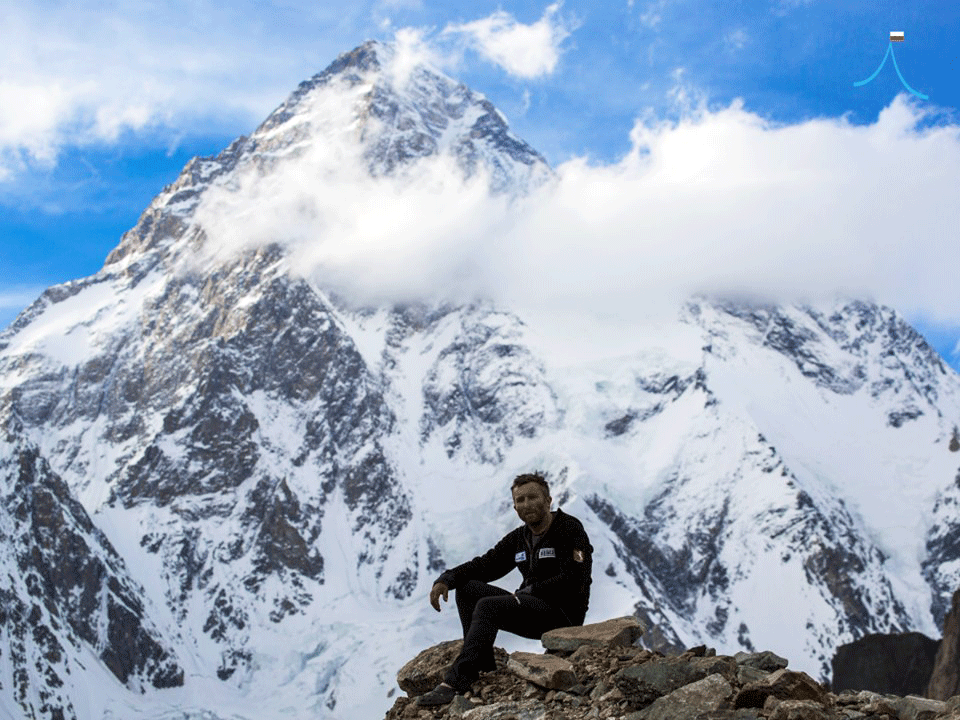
point(576, 566)
point(492, 565)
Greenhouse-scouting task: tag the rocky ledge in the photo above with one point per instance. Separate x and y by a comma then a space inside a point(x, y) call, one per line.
point(598, 672)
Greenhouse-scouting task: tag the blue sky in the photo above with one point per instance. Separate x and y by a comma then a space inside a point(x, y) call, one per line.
point(102, 104)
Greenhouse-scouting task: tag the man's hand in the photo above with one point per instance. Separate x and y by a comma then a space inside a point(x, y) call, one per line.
point(436, 591)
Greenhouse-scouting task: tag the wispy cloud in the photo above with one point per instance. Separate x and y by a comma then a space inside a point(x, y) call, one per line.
point(526, 51)
point(652, 14)
point(736, 39)
point(783, 7)
point(83, 73)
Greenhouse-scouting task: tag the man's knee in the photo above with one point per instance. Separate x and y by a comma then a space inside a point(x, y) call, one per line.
point(474, 591)
point(469, 593)
point(493, 608)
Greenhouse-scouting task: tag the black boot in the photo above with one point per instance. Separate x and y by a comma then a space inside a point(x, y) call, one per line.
point(440, 695)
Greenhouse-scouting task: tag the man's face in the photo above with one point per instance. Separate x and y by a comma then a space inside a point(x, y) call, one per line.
point(531, 502)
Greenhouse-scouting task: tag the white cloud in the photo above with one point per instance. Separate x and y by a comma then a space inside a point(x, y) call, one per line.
point(410, 49)
point(82, 73)
point(736, 39)
point(526, 51)
point(652, 14)
point(719, 201)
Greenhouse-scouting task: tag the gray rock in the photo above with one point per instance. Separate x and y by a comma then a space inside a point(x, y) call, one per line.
point(618, 632)
point(766, 660)
point(599, 690)
point(799, 710)
point(747, 675)
point(945, 675)
point(918, 708)
point(460, 705)
point(880, 706)
point(702, 697)
point(526, 710)
point(427, 669)
point(547, 671)
point(643, 684)
point(847, 697)
point(782, 685)
point(712, 664)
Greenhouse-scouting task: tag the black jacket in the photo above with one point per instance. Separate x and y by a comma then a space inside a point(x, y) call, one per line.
point(557, 570)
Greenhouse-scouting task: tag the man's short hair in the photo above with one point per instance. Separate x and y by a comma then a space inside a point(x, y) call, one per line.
point(534, 477)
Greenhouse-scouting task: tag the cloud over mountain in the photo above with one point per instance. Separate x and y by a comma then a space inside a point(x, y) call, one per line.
point(719, 201)
point(526, 51)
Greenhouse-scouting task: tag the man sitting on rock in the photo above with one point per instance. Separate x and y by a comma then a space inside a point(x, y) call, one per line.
point(552, 552)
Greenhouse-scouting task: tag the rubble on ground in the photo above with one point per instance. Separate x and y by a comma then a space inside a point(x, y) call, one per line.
point(598, 672)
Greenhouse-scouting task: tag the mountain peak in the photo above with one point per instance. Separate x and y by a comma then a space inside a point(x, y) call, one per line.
point(402, 111)
point(364, 57)
point(372, 109)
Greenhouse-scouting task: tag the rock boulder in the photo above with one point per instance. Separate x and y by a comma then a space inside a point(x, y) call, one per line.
point(427, 669)
point(618, 632)
point(899, 663)
point(697, 699)
point(546, 671)
point(782, 685)
point(945, 675)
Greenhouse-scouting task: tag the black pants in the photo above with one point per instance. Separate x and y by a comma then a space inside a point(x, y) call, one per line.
point(485, 610)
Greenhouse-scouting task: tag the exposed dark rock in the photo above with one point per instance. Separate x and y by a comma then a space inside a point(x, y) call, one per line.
point(702, 697)
point(899, 664)
point(642, 684)
point(81, 593)
point(945, 676)
point(782, 685)
point(768, 661)
point(499, 392)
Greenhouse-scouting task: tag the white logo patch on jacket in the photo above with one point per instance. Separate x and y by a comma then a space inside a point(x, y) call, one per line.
point(520, 556)
point(546, 553)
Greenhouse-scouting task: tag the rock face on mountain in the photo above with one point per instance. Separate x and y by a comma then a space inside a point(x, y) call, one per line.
point(64, 588)
point(221, 472)
point(945, 676)
point(900, 664)
point(616, 679)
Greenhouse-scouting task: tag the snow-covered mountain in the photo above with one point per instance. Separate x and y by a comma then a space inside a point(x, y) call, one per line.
point(227, 486)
